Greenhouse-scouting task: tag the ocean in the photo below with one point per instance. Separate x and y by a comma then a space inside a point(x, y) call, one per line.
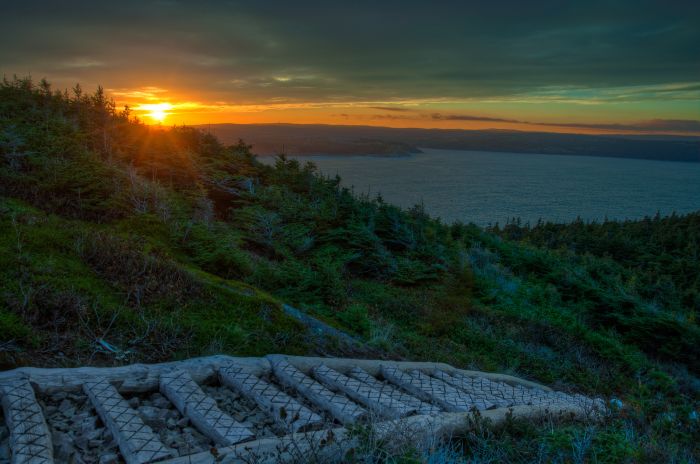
point(487, 187)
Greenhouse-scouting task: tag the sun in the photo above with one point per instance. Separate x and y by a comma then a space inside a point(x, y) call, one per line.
point(157, 111)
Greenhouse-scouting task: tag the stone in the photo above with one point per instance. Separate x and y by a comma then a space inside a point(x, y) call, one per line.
point(59, 396)
point(88, 424)
point(5, 451)
point(64, 446)
point(134, 402)
point(152, 416)
point(109, 458)
point(81, 441)
point(64, 406)
point(161, 402)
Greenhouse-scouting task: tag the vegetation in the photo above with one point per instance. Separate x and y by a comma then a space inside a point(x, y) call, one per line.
point(122, 242)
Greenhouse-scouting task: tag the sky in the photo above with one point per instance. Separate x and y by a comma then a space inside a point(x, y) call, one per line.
point(565, 66)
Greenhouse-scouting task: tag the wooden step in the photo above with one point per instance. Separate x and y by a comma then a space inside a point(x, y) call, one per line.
point(420, 406)
point(30, 440)
point(283, 408)
point(137, 442)
point(378, 401)
point(339, 406)
point(433, 390)
point(202, 410)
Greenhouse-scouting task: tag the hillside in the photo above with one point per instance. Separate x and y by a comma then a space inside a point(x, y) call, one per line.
point(123, 243)
point(305, 139)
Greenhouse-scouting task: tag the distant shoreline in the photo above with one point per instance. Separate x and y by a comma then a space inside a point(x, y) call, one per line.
point(325, 140)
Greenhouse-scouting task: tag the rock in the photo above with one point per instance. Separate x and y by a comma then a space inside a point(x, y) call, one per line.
point(80, 441)
point(77, 397)
point(50, 410)
point(65, 405)
point(59, 396)
point(66, 408)
point(171, 439)
point(5, 451)
point(152, 416)
point(88, 425)
point(109, 458)
point(184, 422)
point(63, 446)
point(109, 442)
point(60, 425)
point(94, 443)
point(134, 402)
point(161, 402)
point(80, 417)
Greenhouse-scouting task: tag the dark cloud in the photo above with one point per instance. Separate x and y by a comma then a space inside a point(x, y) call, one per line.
point(248, 51)
point(468, 117)
point(391, 108)
point(654, 125)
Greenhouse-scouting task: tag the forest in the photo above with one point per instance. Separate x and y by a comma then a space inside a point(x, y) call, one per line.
point(122, 242)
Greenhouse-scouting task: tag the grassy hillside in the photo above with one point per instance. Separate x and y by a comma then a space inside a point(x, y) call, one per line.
point(123, 243)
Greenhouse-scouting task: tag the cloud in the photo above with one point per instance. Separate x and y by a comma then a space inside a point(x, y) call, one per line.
point(468, 117)
point(363, 50)
point(390, 108)
point(654, 125)
point(387, 56)
point(81, 62)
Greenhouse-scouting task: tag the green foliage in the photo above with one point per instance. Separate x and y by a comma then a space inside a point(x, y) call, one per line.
point(14, 328)
point(356, 318)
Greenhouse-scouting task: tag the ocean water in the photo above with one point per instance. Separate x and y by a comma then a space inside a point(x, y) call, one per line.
point(486, 187)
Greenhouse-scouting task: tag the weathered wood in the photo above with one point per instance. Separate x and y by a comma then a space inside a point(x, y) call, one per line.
point(30, 440)
point(433, 390)
point(498, 393)
point(177, 385)
point(145, 377)
point(373, 367)
point(445, 386)
point(339, 406)
point(333, 447)
point(420, 406)
point(286, 411)
point(137, 442)
point(376, 400)
point(134, 378)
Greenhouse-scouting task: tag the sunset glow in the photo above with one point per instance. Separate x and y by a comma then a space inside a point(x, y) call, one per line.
point(246, 67)
point(156, 111)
